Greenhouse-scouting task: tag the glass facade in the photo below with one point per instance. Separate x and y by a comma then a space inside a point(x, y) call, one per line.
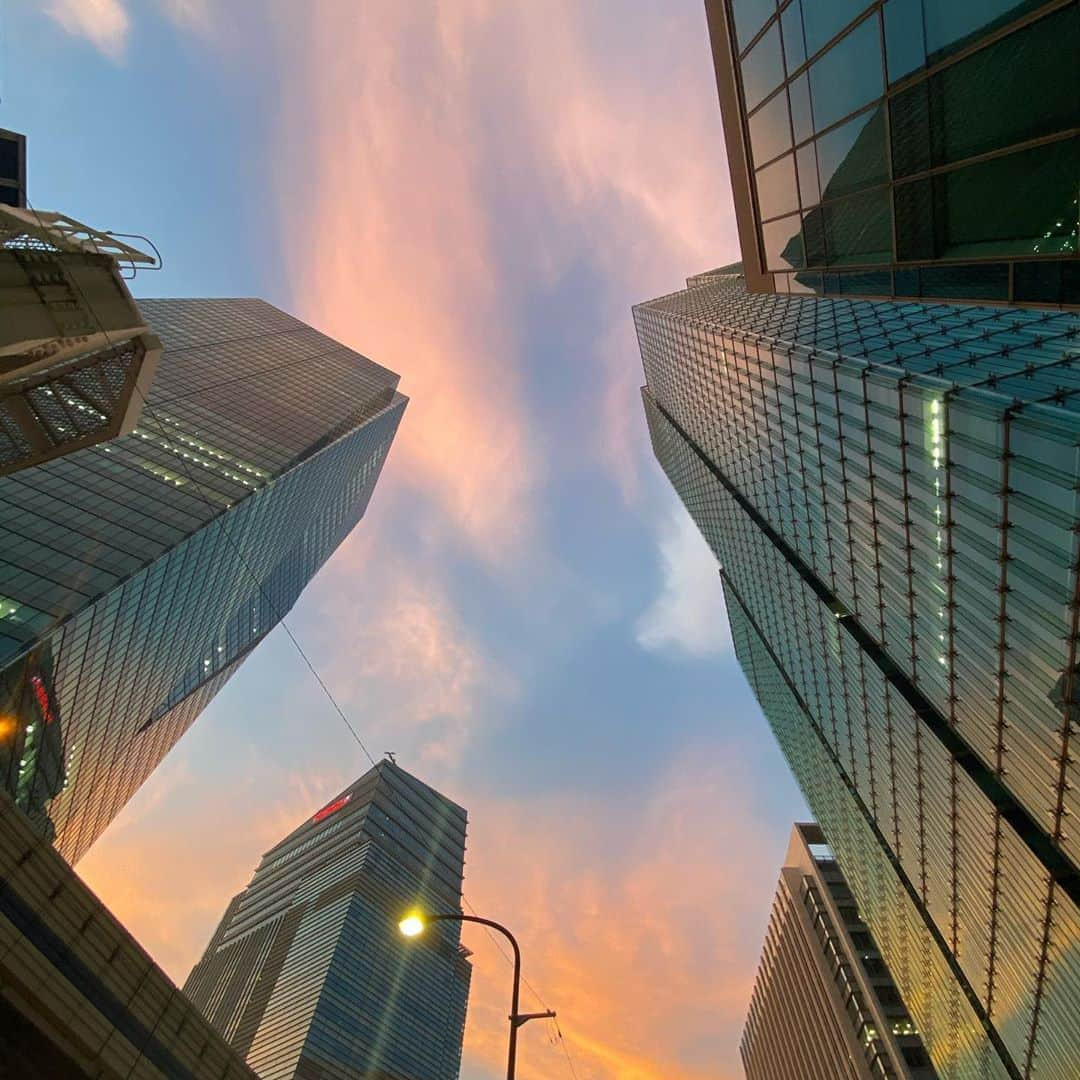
point(308, 975)
point(136, 575)
point(910, 148)
point(891, 491)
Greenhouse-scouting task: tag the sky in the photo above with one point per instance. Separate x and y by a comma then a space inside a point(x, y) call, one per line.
point(472, 193)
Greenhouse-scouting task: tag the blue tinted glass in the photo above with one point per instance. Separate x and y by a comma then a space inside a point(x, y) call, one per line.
point(905, 50)
point(776, 188)
point(802, 121)
point(808, 179)
point(848, 75)
point(852, 156)
point(770, 130)
point(948, 25)
point(763, 68)
point(794, 45)
point(750, 17)
point(824, 19)
point(783, 243)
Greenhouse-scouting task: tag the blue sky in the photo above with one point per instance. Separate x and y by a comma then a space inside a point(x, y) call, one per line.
point(473, 194)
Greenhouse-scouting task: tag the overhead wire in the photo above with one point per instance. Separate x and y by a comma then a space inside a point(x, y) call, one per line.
point(219, 519)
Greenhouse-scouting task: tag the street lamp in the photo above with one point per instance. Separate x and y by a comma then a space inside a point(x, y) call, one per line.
point(414, 924)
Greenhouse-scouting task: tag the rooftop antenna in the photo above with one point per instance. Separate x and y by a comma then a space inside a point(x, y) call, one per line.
point(391, 756)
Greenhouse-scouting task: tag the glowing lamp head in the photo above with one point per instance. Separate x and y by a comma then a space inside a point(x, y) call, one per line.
point(411, 925)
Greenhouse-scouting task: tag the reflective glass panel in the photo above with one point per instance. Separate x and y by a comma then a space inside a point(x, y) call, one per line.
point(954, 24)
point(824, 19)
point(794, 45)
point(750, 17)
point(848, 76)
point(770, 129)
point(783, 244)
point(808, 179)
point(802, 120)
point(763, 68)
point(858, 229)
point(776, 188)
point(852, 156)
point(905, 49)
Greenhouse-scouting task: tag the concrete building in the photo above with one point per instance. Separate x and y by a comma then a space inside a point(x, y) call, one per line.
point(824, 1005)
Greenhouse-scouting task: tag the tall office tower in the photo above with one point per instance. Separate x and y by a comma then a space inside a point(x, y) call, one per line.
point(138, 574)
point(890, 489)
point(824, 1006)
point(912, 148)
point(12, 168)
point(890, 486)
point(307, 974)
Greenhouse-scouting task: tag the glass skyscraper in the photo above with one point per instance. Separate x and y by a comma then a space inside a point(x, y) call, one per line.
point(911, 148)
point(890, 489)
point(137, 575)
point(307, 974)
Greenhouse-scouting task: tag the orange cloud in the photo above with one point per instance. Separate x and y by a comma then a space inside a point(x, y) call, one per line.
point(389, 249)
point(104, 23)
point(640, 917)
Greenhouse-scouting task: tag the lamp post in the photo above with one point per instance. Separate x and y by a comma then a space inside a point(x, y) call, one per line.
point(414, 924)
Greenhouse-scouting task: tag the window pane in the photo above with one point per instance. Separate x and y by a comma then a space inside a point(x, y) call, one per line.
point(986, 282)
point(1022, 87)
point(1047, 282)
point(852, 156)
point(808, 178)
point(848, 76)
point(776, 189)
point(763, 68)
point(802, 120)
point(770, 130)
point(814, 237)
point(951, 25)
point(824, 19)
point(1022, 203)
point(750, 17)
point(783, 244)
point(794, 45)
point(905, 49)
point(858, 229)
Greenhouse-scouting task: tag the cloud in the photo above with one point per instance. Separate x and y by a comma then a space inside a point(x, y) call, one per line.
point(104, 23)
point(688, 614)
point(399, 656)
point(640, 919)
point(397, 255)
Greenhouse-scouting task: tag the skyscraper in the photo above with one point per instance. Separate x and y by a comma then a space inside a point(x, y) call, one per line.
point(307, 974)
point(890, 490)
point(890, 486)
point(137, 575)
point(912, 148)
point(824, 1005)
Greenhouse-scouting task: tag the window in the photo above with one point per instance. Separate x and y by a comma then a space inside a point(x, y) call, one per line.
point(857, 229)
point(770, 131)
point(750, 17)
point(802, 120)
point(905, 48)
point(763, 68)
point(794, 43)
point(806, 157)
point(1024, 203)
point(777, 193)
point(823, 21)
point(783, 244)
point(848, 76)
point(852, 156)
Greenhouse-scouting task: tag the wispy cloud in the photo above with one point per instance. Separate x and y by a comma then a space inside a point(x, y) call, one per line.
point(633, 924)
point(688, 614)
point(104, 23)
